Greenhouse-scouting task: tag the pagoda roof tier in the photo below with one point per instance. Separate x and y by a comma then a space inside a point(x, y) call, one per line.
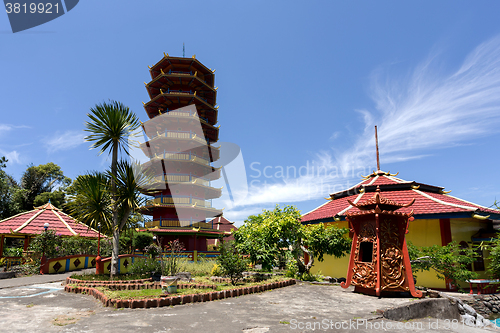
point(172, 101)
point(185, 209)
point(210, 133)
point(197, 184)
point(175, 223)
point(180, 65)
point(173, 82)
point(430, 201)
point(208, 233)
point(187, 114)
point(164, 145)
point(32, 223)
point(166, 163)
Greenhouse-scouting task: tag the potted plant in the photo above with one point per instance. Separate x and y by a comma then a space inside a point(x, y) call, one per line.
point(170, 266)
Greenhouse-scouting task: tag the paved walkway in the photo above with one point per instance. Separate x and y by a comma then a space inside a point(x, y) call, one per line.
point(35, 303)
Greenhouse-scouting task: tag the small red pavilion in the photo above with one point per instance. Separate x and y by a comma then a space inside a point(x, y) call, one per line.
point(29, 224)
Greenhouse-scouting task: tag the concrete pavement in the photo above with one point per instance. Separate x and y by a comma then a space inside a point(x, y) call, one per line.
point(298, 308)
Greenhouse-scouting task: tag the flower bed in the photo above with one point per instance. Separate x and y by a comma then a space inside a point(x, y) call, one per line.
point(85, 288)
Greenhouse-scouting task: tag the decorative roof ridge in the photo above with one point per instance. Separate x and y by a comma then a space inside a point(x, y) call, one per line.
point(349, 207)
point(444, 202)
point(22, 226)
point(481, 206)
point(64, 222)
point(14, 216)
point(380, 203)
point(48, 206)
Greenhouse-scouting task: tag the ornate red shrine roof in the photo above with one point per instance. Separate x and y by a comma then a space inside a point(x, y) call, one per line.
point(430, 201)
point(32, 223)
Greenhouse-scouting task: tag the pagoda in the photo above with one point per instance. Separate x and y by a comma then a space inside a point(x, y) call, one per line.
point(179, 137)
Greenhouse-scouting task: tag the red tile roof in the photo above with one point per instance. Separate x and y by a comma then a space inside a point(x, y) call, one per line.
point(32, 223)
point(428, 199)
point(222, 224)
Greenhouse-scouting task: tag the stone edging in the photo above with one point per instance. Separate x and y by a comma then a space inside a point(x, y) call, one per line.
point(176, 300)
point(104, 283)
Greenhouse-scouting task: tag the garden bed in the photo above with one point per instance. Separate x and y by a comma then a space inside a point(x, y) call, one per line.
point(148, 294)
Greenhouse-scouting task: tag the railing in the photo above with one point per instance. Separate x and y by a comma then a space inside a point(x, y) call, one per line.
point(11, 261)
point(182, 179)
point(178, 200)
point(184, 135)
point(178, 223)
point(182, 156)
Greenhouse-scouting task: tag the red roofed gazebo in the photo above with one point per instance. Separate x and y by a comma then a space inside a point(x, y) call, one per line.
point(29, 224)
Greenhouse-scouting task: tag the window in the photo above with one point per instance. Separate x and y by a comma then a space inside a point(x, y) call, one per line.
point(366, 251)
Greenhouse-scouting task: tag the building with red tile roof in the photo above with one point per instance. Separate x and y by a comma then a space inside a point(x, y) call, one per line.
point(29, 224)
point(439, 218)
point(222, 224)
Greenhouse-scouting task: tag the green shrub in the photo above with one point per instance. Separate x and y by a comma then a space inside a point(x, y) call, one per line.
point(145, 267)
point(142, 239)
point(199, 268)
point(231, 263)
point(13, 252)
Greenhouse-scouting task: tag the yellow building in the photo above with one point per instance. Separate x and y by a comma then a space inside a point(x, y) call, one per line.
point(438, 219)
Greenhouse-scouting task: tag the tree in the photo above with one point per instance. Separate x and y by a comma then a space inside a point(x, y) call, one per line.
point(271, 234)
point(110, 126)
point(231, 263)
point(8, 189)
point(41, 183)
point(449, 262)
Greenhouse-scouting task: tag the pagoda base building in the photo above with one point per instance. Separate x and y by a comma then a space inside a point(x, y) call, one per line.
point(438, 218)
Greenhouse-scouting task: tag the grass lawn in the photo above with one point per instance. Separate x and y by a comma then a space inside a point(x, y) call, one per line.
point(154, 293)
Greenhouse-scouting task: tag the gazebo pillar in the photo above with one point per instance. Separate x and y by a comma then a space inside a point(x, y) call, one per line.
point(26, 243)
point(2, 241)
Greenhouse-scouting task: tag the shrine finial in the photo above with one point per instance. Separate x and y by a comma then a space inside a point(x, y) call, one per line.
point(376, 144)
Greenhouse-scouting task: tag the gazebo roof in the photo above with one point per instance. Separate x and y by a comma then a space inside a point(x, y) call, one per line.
point(32, 223)
point(430, 201)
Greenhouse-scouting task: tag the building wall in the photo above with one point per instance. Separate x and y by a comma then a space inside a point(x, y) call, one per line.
point(421, 232)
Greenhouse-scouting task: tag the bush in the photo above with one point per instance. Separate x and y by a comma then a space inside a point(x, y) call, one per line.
point(231, 263)
point(142, 239)
point(13, 252)
point(199, 268)
point(216, 271)
point(145, 267)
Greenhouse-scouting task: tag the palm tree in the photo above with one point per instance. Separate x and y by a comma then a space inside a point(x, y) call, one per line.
point(111, 124)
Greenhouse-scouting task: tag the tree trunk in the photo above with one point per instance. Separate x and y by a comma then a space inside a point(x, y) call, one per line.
point(114, 207)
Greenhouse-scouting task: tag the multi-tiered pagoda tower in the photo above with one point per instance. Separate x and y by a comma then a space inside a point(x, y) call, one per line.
point(180, 134)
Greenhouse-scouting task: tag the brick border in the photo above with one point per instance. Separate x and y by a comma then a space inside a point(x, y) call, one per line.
point(174, 300)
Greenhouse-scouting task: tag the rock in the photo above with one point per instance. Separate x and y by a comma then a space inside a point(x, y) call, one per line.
point(488, 305)
point(468, 320)
point(469, 310)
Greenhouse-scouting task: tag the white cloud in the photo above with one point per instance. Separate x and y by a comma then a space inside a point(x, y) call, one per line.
point(64, 141)
point(426, 110)
point(12, 156)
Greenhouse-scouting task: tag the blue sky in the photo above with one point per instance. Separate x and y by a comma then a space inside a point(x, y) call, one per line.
point(301, 84)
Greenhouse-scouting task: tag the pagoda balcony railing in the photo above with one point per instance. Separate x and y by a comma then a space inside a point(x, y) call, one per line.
point(162, 222)
point(182, 92)
point(183, 135)
point(184, 114)
point(182, 157)
point(182, 179)
point(179, 200)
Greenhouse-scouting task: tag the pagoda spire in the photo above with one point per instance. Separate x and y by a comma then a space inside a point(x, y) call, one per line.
point(376, 145)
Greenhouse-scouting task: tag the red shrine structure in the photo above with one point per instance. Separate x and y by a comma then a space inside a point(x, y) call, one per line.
point(180, 134)
point(379, 261)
